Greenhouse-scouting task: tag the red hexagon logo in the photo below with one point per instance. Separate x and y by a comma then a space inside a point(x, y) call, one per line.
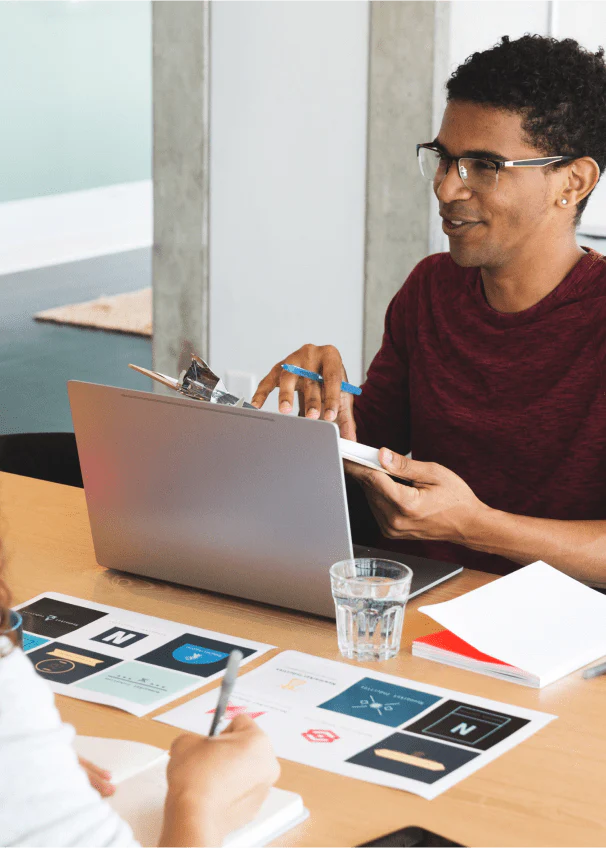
point(320, 736)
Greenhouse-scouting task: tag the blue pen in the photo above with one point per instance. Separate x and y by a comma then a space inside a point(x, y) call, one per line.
point(311, 375)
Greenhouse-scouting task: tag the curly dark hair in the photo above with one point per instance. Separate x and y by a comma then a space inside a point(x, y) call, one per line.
point(558, 87)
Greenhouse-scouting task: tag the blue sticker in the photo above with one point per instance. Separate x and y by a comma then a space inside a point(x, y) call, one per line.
point(196, 655)
point(30, 641)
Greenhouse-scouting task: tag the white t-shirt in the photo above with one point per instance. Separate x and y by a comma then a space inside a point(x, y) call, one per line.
point(45, 796)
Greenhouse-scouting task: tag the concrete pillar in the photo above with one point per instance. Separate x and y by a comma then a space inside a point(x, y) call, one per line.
point(180, 178)
point(408, 58)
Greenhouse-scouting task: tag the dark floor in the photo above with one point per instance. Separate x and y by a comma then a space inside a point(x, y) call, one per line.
point(37, 359)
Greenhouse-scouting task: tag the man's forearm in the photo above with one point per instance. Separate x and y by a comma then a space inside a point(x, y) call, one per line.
point(576, 547)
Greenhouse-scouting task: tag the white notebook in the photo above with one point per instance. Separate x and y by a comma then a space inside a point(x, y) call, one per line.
point(139, 773)
point(362, 454)
point(537, 619)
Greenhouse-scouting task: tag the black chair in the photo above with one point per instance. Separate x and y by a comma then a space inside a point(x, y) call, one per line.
point(44, 456)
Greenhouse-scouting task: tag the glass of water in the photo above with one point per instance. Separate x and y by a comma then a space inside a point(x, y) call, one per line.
point(370, 597)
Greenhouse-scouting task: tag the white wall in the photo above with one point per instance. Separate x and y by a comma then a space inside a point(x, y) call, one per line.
point(479, 24)
point(586, 21)
point(287, 174)
point(67, 227)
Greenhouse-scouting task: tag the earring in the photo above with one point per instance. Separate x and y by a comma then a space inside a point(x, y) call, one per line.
point(564, 201)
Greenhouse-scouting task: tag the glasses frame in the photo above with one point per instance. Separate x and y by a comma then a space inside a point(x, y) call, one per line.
point(499, 164)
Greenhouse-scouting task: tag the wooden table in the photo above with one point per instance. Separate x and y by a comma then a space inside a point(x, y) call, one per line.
point(550, 790)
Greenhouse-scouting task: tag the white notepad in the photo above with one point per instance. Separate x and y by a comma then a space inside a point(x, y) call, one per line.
point(139, 773)
point(362, 454)
point(536, 619)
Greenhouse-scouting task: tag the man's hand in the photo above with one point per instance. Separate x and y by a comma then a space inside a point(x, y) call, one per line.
point(438, 505)
point(324, 400)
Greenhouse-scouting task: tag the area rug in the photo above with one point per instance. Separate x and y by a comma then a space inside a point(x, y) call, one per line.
point(120, 313)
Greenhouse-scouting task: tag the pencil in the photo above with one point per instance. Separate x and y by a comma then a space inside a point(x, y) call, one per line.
point(227, 687)
point(311, 375)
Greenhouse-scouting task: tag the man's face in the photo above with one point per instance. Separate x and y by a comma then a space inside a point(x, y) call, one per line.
point(522, 210)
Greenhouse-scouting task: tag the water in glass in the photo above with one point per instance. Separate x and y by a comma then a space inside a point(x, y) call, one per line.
point(370, 598)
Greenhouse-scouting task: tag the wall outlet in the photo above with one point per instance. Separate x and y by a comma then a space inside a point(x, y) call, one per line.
point(241, 384)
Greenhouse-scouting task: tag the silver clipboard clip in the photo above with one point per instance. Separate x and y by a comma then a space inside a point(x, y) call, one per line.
point(198, 382)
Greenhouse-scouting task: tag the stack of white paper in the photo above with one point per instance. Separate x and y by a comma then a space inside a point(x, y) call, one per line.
point(536, 619)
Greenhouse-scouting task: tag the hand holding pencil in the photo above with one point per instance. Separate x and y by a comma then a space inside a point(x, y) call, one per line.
point(217, 783)
point(331, 397)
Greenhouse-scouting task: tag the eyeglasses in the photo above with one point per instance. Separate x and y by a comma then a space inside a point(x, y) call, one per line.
point(479, 175)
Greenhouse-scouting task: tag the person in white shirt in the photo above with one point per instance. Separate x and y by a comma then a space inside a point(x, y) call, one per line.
point(50, 798)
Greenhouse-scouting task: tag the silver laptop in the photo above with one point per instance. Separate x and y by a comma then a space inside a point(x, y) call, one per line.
point(241, 502)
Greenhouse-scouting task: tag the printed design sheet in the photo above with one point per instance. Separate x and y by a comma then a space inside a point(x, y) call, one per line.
point(123, 659)
point(367, 725)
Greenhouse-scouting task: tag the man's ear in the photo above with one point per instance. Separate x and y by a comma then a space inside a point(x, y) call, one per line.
point(582, 177)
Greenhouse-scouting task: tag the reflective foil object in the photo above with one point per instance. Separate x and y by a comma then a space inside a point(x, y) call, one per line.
point(198, 382)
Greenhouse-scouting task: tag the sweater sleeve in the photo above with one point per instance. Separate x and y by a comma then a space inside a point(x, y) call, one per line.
point(45, 796)
point(382, 411)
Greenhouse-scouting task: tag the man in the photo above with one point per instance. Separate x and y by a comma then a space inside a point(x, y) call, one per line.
point(492, 368)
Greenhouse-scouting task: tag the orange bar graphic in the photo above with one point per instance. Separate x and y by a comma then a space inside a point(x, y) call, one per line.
point(77, 658)
point(409, 759)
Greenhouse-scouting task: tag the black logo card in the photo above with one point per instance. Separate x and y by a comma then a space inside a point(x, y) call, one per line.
point(474, 727)
point(409, 756)
point(194, 655)
point(48, 617)
point(119, 637)
point(60, 663)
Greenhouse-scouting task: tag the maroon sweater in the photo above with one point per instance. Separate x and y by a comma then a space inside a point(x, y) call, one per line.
point(515, 404)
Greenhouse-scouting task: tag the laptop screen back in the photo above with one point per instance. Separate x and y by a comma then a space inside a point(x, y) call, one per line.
point(246, 503)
